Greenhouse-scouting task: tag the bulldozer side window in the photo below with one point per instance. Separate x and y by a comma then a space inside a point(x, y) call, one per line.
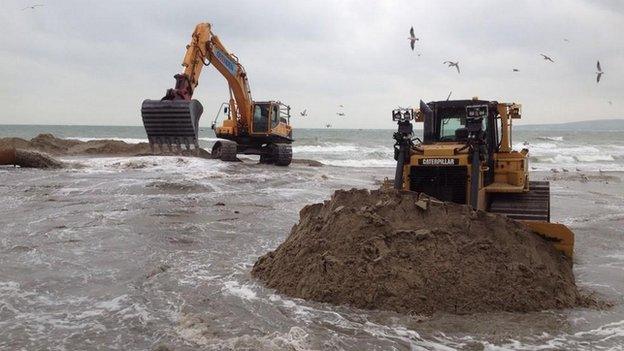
point(261, 119)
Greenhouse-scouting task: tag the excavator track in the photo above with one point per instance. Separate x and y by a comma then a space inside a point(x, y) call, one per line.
point(533, 205)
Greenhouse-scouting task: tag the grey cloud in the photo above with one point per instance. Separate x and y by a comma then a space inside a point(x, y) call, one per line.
point(94, 62)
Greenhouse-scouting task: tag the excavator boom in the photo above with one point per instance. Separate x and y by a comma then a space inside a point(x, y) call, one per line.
point(174, 119)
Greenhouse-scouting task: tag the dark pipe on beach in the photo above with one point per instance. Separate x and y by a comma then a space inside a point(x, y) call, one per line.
point(7, 156)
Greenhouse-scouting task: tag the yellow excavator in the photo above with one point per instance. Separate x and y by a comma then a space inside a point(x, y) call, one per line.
point(466, 157)
point(256, 128)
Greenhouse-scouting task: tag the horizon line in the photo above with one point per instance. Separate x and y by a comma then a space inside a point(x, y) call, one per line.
point(134, 125)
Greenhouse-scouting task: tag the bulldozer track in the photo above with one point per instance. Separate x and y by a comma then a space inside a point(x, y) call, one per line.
point(533, 205)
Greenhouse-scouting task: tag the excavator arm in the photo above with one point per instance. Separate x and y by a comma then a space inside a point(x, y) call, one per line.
point(174, 120)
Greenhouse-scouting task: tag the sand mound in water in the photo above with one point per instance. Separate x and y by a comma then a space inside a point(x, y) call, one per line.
point(393, 250)
point(28, 159)
point(50, 144)
point(31, 159)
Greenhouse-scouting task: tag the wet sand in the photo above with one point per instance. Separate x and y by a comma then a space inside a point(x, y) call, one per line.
point(402, 251)
point(51, 145)
point(137, 252)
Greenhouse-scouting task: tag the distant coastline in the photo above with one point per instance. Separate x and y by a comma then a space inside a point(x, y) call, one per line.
point(595, 125)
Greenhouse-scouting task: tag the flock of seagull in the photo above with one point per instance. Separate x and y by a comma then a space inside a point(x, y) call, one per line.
point(413, 39)
point(340, 113)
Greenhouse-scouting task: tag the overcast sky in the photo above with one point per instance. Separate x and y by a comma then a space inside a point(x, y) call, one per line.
point(93, 62)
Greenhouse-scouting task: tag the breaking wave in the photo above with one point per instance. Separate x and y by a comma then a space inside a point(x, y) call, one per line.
point(551, 138)
point(545, 152)
point(132, 140)
point(546, 155)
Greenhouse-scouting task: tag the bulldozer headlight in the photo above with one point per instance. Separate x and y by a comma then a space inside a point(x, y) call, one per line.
point(476, 111)
point(402, 114)
point(474, 117)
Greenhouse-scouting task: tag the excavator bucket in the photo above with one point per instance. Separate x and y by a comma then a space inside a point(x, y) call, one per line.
point(172, 122)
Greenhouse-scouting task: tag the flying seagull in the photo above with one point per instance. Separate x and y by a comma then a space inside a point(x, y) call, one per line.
point(340, 105)
point(566, 40)
point(304, 113)
point(449, 96)
point(412, 38)
point(452, 64)
point(328, 126)
point(32, 7)
point(341, 114)
point(516, 70)
point(599, 72)
point(547, 58)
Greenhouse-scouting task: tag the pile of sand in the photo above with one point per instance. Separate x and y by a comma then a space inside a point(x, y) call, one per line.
point(33, 159)
point(50, 144)
point(392, 250)
point(28, 159)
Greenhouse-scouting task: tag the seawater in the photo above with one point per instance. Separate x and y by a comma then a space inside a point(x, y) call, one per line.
point(128, 253)
point(548, 149)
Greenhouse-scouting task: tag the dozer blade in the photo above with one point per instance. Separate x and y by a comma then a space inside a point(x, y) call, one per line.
point(561, 236)
point(172, 122)
point(533, 209)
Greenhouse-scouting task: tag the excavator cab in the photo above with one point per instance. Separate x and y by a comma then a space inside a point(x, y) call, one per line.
point(271, 117)
point(269, 123)
point(267, 133)
point(261, 118)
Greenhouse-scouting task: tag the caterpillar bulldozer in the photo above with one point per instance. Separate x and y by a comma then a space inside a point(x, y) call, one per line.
point(466, 156)
point(251, 127)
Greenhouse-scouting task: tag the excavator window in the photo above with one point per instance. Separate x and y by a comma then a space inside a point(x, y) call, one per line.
point(261, 118)
point(497, 139)
point(274, 116)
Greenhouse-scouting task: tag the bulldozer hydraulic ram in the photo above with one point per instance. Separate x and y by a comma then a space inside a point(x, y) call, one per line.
point(403, 142)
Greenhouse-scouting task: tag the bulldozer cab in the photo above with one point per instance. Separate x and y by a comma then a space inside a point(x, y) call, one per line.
point(455, 122)
point(447, 121)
